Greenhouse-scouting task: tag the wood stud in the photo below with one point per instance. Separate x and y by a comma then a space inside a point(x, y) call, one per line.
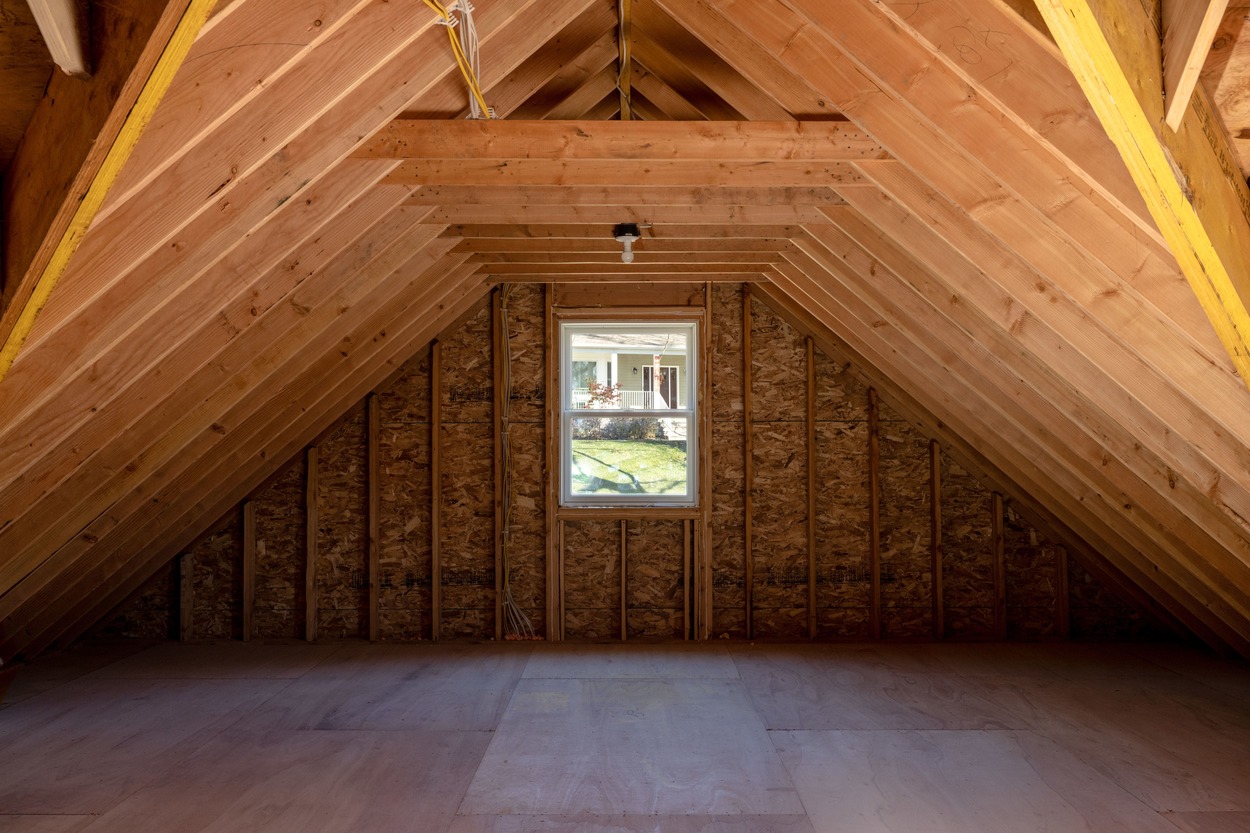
point(249, 569)
point(186, 597)
point(874, 513)
point(497, 433)
point(935, 537)
point(748, 461)
point(436, 491)
point(999, 570)
point(374, 407)
point(811, 488)
point(310, 545)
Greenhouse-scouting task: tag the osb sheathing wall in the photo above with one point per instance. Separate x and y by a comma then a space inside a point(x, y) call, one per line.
point(987, 573)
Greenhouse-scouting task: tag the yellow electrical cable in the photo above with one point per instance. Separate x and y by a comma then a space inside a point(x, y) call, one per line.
point(462, 62)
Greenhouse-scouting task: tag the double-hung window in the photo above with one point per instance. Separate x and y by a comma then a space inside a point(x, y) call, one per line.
point(628, 412)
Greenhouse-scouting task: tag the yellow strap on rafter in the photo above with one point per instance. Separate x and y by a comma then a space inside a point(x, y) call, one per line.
point(132, 128)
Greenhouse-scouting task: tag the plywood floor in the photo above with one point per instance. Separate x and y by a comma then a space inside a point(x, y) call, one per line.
point(627, 738)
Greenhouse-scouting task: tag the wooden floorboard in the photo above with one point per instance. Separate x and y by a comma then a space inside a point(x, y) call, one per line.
point(684, 738)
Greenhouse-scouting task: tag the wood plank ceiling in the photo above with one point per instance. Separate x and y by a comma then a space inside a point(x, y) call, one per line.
point(924, 185)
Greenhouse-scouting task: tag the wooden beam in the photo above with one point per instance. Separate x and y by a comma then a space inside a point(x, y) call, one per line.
point(374, 406)
point(748, 464)
point(734, 220)
point(1189, 178)
point(60, 23)
point(874, 515)
point(391, 329)
point(645, 276)
point(935, 538)
point(624, 554)
point(617, 195)
point(311, 526)
point(1189, 27)
point(657, 173)
point(436, 491)
point(499, 437)
point(186, 412)
point(249, 569)
point(703, 234)
point(554, 530)
point(715, 141)
point(573, 248)
point(658, 261)
point(616, 269)
point(625, 65)
point(186, 597)
point(876, 370)
point(51, 198)
point(999, 565)
point(702, 591)
point(811, 487)
point(1123, 530)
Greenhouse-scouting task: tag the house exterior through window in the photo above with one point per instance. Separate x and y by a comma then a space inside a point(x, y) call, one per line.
point(628, 422)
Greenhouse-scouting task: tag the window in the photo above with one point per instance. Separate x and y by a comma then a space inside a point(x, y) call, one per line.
point(631, 441)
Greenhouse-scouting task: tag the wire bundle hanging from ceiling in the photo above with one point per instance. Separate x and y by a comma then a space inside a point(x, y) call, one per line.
point(457, 16)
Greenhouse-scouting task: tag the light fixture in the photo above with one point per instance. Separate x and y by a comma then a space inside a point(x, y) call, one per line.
point(627, 234)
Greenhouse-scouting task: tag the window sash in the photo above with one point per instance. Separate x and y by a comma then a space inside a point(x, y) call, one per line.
point(687, 377)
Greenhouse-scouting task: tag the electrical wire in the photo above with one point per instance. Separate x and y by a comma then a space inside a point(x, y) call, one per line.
point(518, 624)
point(465, 50)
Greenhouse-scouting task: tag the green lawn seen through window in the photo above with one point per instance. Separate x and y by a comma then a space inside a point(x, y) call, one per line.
point(629, 467)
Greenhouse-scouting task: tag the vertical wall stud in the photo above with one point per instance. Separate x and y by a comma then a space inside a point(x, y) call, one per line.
point(560, 582)
point(186, 596)
point(436, 491)
point(1063, 620)
point(935, 537)
point(375, 514)
point(686, 597)
point(249, 569)
point(498, 352)
point(555, 529)
point(874, 512)
point(811, 488)
point(748, 458)
point(701, 593)
point(624, 580)
point(310, 546)
point(1000, 567)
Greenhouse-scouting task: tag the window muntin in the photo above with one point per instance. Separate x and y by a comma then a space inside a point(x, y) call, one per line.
point(628, 426)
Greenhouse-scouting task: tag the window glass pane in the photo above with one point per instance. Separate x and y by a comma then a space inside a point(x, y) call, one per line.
point(643, 368)
point(628, 456)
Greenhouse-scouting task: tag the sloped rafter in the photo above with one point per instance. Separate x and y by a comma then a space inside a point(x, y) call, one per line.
point(316, 155)
point(796, 42)
point(947, 375)
point(231, 420)
point(1057, 267)
point(397, 328)
point(23, 397)
point(1188, 30)
point(1189, 178)
point(133, 396)
point(718, 76)
point(957, 295)
point(49, 205)
point(971, 457)
point(196, 417)
point(62, 31)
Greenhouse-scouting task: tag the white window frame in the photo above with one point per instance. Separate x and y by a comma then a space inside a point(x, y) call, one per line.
point(688, 385)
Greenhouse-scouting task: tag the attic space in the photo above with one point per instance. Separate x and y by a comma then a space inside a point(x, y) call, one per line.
point(826, 514)
point(711, 416)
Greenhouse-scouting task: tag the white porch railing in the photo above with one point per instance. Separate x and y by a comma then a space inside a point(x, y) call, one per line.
point(631, 400)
